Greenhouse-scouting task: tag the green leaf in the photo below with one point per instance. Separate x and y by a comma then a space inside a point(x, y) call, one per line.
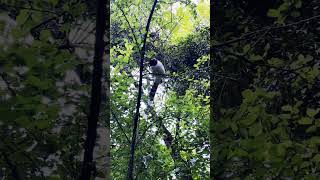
point(29, 56)
point(66, 7)
point(255, 130)
point(275, 119)
point(316, 158)
point(2, 26)
point(273, 13)
point(287, 108)
point(53, 2)
point(315, 140)
point(255, 57)
point(35, 81)
point(249, 95)
point(297, 159)
point(246, 48)
point(44, 35)
point(275, 61)
point(78, 9)
point(286, 144)
point(240, 152)
point(284, 6)
point(23, 121)
point(22, 17)
point(305, 164)
point(203, 9)
point(311, 129)
point(42, 124)
point(280, 150)
point(234, 127)
point(305, 121)
point(246, 93)
point(251, 118)
point(315, 70)
point(17, 32)
point(311, 177)
point(301, 57)
point(32, 80)
point(312, 112)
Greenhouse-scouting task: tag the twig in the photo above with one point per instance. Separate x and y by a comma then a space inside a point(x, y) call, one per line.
point(121, 127)
point(248, 35)
point(12, 167)
point(32, 30)
point(30, 8)
point(293, 71)
point(132, 31)
point(77, 36)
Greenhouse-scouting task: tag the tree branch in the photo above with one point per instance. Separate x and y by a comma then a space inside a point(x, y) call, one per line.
point(88, 166)
point(132, 31)
point(250, 34)
point(137, 115)
point(121, 127)
point(30, 8)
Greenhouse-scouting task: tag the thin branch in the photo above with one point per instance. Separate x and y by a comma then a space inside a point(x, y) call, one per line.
point(42, 24)
point(220, 94)
point(121, 127)
point(130, 27)
point(137, 114)
point(144, 132)
point(12, 167)
point(88, 34)
point(250, 34)
point(30, 8)
point(292, 71)
point(257, 41)
point(78, 35)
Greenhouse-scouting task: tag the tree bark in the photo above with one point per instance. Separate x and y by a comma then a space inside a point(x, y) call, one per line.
point(88, 166)
point(137, 114)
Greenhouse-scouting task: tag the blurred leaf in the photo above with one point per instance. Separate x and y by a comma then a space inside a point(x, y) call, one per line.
point(305, 121)
point(44, 35)
point(312, 112)
point(273, 13)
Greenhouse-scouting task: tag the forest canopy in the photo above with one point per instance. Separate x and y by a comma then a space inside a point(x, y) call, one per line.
point(265, 114)
point(172, 136)
point(237, 96)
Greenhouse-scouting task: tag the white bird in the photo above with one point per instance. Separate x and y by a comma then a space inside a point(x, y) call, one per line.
point(158, 72)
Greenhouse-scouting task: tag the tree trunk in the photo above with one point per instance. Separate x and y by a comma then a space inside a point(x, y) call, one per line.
point(88, 166)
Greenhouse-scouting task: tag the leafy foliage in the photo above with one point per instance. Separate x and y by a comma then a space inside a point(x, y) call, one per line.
point(42, 97)
point(272, 131)
point(172, 138)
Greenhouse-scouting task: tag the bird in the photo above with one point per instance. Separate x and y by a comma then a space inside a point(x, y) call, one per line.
point(158, 72)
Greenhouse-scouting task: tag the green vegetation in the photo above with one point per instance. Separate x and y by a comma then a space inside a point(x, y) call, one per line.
point(46, 68)
point(172, 135)
point(266, 120)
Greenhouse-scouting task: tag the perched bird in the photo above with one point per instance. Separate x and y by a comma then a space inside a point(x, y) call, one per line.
point(158, 72)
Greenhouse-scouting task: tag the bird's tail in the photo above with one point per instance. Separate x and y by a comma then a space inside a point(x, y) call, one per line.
point(153, 90)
